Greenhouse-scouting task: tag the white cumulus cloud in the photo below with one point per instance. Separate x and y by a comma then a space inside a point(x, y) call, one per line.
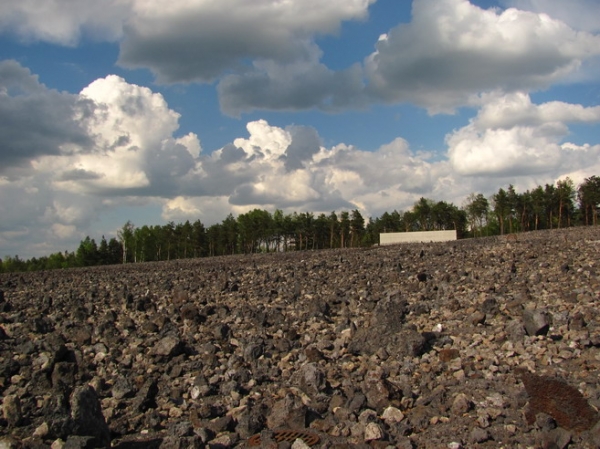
point(452, 50)
point(513, 136)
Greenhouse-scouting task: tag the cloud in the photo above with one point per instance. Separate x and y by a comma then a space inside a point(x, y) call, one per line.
point(508, 111)
point(34, 120)
point(70, 158)
point(200, 41)
point(512, 136)
point(288, 168)
point(304, 145)
point(578, 14)
point(133, 150)
point(263, 55)
point(299, 85)
point(453, 50)
point(64, 21)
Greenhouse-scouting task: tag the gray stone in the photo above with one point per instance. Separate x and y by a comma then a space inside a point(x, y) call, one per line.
point(490, 306)
point(253, 351)
point(544, 422)
point(558, 438)
point(122, 388)
point(87, 418)
point(536, 322)
point(515, 330)
point(477, 318)
point(392, 415)
point(288, 412)
point(461, 404)
point(373, 431)
point(312, 378)
point(299, 444)
point(80, 442)
point(250, 421)
point(11, 409)
point(169, 346)
point(479, 435)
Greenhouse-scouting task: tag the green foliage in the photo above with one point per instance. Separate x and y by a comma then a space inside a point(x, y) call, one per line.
point(87, 254)
point(477, 208)
point(261, 231)
point(588, 195)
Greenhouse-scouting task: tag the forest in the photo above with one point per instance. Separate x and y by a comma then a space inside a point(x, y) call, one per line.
point(506, 211)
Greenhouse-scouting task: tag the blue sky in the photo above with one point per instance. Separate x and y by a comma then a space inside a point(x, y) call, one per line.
point(134, 110)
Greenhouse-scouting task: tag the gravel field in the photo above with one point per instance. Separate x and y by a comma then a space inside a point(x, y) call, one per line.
point(491, 342)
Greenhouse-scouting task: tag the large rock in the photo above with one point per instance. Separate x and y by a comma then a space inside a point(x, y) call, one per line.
point(87, 418)
point(168, 347)
point(11, 410)
point(288, 412)
point(536, 322)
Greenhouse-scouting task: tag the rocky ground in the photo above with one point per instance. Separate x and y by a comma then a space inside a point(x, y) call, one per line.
point(489, 342)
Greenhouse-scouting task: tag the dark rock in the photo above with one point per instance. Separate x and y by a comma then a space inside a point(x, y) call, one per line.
point(250, 422)
point(407, 342)
point(172, 442)
point(461, 404)
point(122, 388)
point(319, 308)
point(577, 322)
point(253, 351)
point(181, 429)
point(42, 325)
point(490, 306)
point(64, 374)
point(356, 402)
point(146, 396)
point(87, 418)
point(313, 354)
point(420, 308)
point(190, 312)
point(378, 395)
point(81, 336)
point(558, 438)
point(324, 340)
point(411, 343)
point(390, 312)
point(544, 422)
point(222, 332)
point(80, 442)
point(479, 435)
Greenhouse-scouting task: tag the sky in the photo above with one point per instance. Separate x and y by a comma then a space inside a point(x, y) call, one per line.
point(155, 111)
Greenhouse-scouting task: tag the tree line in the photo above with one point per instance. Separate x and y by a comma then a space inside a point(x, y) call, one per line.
point(506, 211)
